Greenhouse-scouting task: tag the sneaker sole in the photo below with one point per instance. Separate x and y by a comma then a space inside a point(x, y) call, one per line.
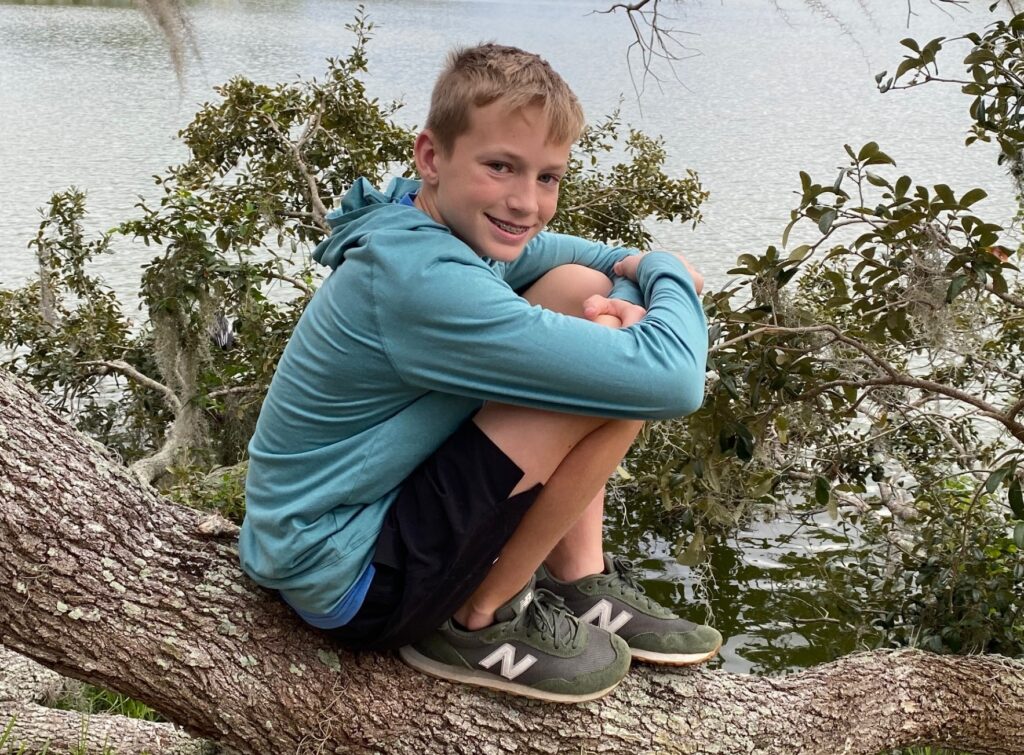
point(443, 671)
point(672, 659)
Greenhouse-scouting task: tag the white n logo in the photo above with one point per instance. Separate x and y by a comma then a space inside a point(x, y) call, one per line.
point(602, 612)
point(507, 655)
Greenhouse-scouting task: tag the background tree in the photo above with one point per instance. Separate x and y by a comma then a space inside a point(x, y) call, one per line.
point(873, 371)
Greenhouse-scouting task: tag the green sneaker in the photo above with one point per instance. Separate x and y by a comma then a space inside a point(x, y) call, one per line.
point(535, 648)
point(616, 602)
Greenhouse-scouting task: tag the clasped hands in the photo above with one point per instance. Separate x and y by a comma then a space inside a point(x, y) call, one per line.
point(618, 313)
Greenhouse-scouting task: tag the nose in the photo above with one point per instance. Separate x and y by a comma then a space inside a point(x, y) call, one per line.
point(522, 199)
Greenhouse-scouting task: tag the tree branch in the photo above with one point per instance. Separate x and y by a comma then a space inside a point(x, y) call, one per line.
point(235, 390)
point(34, 728)
point(1007, 297)
point(294, 281)
point(24, 680)
point(171, 399)
point(313, 189)
point(103, 580)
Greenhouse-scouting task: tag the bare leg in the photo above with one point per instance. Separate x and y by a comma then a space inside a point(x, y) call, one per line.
point(590, 448)
point(581, 551)
point(573, 455)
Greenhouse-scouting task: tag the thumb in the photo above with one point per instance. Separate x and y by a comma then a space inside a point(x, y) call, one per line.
point(595, 305)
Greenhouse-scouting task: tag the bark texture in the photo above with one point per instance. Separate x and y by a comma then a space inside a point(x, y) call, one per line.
point(28, 727)
point(102, 580)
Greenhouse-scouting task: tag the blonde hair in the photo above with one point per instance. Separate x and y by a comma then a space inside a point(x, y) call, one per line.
point(477, 76)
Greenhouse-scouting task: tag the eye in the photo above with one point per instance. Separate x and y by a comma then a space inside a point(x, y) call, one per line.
point(550, 179)
point(498, 167)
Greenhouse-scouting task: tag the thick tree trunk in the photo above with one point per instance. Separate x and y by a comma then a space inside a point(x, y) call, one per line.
point(104, 581)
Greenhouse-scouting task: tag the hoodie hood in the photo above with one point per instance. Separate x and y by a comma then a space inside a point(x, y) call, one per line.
point(363, 209)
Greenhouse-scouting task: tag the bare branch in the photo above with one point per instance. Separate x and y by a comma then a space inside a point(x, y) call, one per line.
point(39, 729)
point(312, 188)
point(105, 367)
point(235, 390)
point(294, 281)
point(892, 375)
point(1007, 297)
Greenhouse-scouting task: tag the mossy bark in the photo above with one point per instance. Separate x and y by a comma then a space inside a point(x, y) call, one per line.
point(102, 580)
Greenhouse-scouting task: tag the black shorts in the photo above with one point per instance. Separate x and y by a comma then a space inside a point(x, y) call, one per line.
point(440, 537)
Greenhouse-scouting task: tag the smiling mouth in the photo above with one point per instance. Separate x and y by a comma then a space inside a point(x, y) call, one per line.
point(515, 230)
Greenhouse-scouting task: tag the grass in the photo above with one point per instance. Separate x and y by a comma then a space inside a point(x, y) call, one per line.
point(8, 747)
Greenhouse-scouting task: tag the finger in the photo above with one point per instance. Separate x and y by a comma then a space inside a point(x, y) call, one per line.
point(595, 305)
point(631, 315)
point(609, 321)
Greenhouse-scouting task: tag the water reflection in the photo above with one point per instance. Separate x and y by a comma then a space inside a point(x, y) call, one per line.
point(779, 590)
point(87, 97)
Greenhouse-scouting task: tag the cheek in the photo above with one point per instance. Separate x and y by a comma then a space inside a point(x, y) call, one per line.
point(548, 205)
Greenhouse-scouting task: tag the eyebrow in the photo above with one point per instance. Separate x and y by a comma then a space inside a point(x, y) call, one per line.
point(512, 157)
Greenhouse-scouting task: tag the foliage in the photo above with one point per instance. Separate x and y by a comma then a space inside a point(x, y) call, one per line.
point(178, 394)
point(960, 586)
point(871, 372)
point(612, 204)
point(876, 372)
point(995, 84)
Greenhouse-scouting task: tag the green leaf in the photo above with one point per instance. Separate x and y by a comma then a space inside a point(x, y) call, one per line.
point(945, 194)
point(694, 552)
point(906, 65)
point(826, 220)
point(956, 285)
point(868, 151)
point(996, 478)
point(1016, 499)
point(822, 491)
point(764, 487)
point(974, 195)
point(876, 180)
point(1018, 534)
point(789, 227)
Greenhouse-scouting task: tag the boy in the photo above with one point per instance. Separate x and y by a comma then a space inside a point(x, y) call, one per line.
point(433, 439)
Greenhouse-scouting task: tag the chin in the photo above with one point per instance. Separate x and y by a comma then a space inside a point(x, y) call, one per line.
point(505, 254)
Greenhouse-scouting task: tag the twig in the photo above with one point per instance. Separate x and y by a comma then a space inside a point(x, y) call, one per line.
point(294, 281)
point(234, 390)
point(128, 371)
point(319, 210)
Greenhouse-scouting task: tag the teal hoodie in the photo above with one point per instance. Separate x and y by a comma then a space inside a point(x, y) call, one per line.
point(406, 340)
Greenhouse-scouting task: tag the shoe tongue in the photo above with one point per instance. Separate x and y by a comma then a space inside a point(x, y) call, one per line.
point(516, 605)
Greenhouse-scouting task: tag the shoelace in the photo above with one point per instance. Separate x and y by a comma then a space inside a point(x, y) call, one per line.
point(623, 578)
point(548, 615)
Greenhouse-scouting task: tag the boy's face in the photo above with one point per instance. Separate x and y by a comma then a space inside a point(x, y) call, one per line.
point(498, 186)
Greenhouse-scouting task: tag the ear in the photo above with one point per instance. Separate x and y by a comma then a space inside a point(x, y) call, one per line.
point(426, 153)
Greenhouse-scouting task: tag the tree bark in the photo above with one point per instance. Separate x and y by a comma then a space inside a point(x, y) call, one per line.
point(102, 580)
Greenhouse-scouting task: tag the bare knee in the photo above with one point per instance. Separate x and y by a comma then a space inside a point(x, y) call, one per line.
point(538, 440)
point(565, 288)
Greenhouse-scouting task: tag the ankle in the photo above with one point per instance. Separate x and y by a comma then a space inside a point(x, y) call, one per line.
point(571, 570)
point(473, 618)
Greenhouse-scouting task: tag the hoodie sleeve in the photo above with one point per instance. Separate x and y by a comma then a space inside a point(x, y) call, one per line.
point(549, 250)
point(453, 326)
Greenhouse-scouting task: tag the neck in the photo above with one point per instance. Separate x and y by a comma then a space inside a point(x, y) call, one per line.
point(425, 202)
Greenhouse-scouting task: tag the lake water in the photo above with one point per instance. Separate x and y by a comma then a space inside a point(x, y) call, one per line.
point(87, 98)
